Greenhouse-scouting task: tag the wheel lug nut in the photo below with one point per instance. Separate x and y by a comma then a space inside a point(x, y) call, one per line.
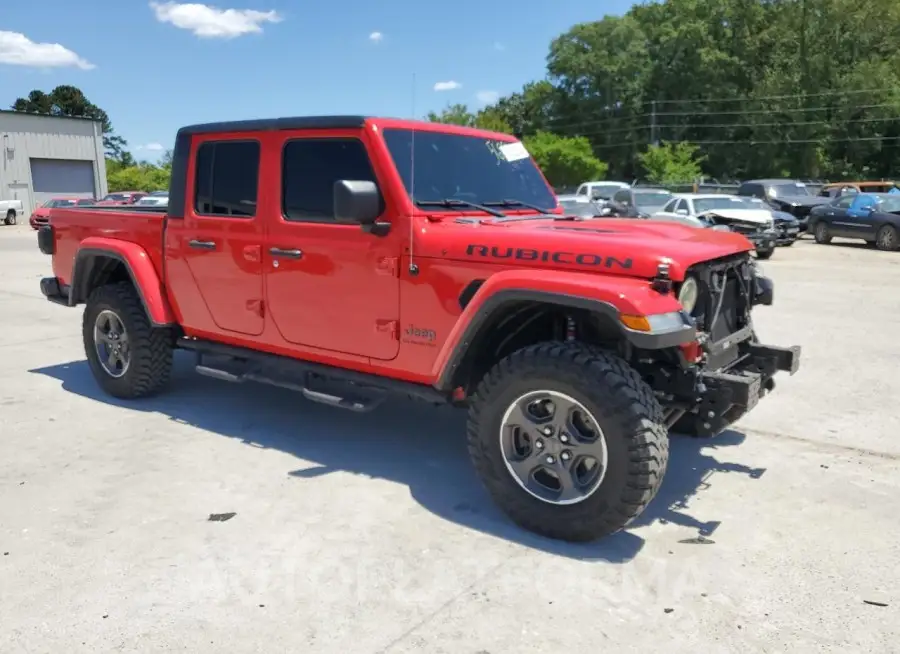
point(548, 431)
point(539, 445)
point(564, 438)
point(566, 456)
point(550, 459)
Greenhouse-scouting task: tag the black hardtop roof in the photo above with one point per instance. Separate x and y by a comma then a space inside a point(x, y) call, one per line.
point(275, 124)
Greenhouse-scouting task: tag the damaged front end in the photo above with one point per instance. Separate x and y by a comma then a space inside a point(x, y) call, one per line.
point(763, 235)
point(725, 373)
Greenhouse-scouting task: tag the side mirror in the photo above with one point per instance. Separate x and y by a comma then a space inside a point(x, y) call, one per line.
point(357, 201)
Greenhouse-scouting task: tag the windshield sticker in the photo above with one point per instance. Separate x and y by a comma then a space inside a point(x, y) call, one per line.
point(514, 151)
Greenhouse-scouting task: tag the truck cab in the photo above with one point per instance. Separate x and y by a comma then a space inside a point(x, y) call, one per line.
point(350, 258)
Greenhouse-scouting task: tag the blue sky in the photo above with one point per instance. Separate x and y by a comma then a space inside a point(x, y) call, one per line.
point(154, 66)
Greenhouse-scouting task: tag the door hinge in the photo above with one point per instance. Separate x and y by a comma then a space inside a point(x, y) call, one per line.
point(389, 266)
point(390, 326)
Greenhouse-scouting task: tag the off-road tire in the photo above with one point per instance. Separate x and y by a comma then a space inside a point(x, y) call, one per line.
point(886, 239)
point(151, 348)
point(623, 406)
point(10, 217)
point(822, 234)
point(765, 254)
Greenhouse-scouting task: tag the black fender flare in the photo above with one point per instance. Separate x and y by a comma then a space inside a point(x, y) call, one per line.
point(495, 304)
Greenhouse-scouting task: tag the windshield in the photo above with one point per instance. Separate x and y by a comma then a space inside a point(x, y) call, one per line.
point(889, 205)
point(85, 203)
point(787, 190)
point(703, 205)
point(118, 197)
point(467, 168)
point(58, 203)
point(651, 199)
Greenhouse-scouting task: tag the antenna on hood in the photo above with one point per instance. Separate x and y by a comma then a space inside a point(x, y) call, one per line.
point(413, 268)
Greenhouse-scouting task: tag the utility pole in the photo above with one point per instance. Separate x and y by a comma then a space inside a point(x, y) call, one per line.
point(653, 128)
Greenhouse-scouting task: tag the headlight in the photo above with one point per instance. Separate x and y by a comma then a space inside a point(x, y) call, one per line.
point(688, 294)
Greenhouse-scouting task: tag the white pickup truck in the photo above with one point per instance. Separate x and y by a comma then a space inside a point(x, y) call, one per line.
point(9, 210)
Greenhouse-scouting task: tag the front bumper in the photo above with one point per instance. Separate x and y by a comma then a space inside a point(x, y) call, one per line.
point(765, 240)
point(729, 393)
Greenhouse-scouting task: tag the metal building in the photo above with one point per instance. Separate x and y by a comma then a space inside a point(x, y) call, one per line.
point(42, 157)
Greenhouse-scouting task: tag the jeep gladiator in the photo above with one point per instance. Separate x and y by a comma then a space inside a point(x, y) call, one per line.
point(350, 258)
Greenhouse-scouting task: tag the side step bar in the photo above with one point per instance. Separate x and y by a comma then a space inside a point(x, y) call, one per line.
point(337, 387)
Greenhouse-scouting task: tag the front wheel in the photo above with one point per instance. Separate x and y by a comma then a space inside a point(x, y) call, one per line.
point(128, 357)
point(569, 440)
point(886, 239)
point(765, 254)
point(822, 234)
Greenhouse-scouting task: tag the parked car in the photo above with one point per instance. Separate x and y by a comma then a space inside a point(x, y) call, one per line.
point(748, 216)
point(41, 215)
point(154, 199)
point(787, 195)
point(587, 210)
point(871, 217)
point(843, 188)
point(121, 198)
point(639, 202)
point(573, 348)
point(10, 210)
point(599, 190)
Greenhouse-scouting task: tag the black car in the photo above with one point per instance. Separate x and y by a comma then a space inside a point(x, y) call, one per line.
point(639, 202)
point(871, 217)
point(786, 195)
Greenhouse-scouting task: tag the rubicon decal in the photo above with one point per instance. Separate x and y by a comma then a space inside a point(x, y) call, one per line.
point(563, 257)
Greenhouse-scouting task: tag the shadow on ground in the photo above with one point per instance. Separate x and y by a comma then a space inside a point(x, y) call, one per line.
point(403, 441)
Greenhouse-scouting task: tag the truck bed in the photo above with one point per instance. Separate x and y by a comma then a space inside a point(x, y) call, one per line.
point(143, 226)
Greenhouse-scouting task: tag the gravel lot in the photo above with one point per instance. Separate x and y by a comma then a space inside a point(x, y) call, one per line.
point(371, 534)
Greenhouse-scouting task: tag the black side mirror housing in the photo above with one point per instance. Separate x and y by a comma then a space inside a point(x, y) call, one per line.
point(356, 202)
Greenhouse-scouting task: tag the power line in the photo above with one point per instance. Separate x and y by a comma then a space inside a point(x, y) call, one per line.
point(754, 142)
point(791, 96)
point(737, 125)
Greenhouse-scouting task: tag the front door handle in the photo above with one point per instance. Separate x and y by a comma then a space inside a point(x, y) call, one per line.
point(289, 254)
point(202, 245)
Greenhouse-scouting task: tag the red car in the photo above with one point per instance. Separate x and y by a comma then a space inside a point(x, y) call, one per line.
point(352, 258)
point(121, 198)
point(41, 215)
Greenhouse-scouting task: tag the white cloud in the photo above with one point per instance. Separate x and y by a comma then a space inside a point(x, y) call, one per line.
point(376, 37)
point(487, 97)
point(447, 86)
point(154, 147)
point(207, 21)
point(18, 50)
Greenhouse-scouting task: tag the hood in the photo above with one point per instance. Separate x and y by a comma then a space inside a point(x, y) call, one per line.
point(631, 247)
point(42, 212)
point(754, 216)
point(802, 200)
point(784, 217)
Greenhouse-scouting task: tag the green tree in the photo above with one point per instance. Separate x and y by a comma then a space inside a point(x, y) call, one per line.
point(459, 114)
point(672, 163)
point(565, 161)
point(65, 100)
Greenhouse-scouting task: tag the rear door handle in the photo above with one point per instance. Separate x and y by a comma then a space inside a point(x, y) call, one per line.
point(202, 245)
point(289, 254)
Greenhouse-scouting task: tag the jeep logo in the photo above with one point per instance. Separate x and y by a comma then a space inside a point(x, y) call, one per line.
point(422, 334)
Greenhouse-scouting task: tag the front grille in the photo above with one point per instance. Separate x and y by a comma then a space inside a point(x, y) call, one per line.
point(745, 229)
point(725, 284)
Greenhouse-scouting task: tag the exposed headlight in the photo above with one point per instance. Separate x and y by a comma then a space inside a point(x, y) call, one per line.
point(688, 294)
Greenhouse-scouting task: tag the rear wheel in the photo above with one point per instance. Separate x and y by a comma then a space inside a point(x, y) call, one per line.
point(569, 441)
point(765, 254)
point(10, 217)
point(886, 239)
point(128, 357)
point(822, 234)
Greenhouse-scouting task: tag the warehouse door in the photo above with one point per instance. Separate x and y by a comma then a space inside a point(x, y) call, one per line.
point(61, 177)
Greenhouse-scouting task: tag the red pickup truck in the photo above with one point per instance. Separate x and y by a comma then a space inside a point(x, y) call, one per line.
point(350, 258)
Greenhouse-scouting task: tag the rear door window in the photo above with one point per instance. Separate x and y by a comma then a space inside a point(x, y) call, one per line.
point(227, 179)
